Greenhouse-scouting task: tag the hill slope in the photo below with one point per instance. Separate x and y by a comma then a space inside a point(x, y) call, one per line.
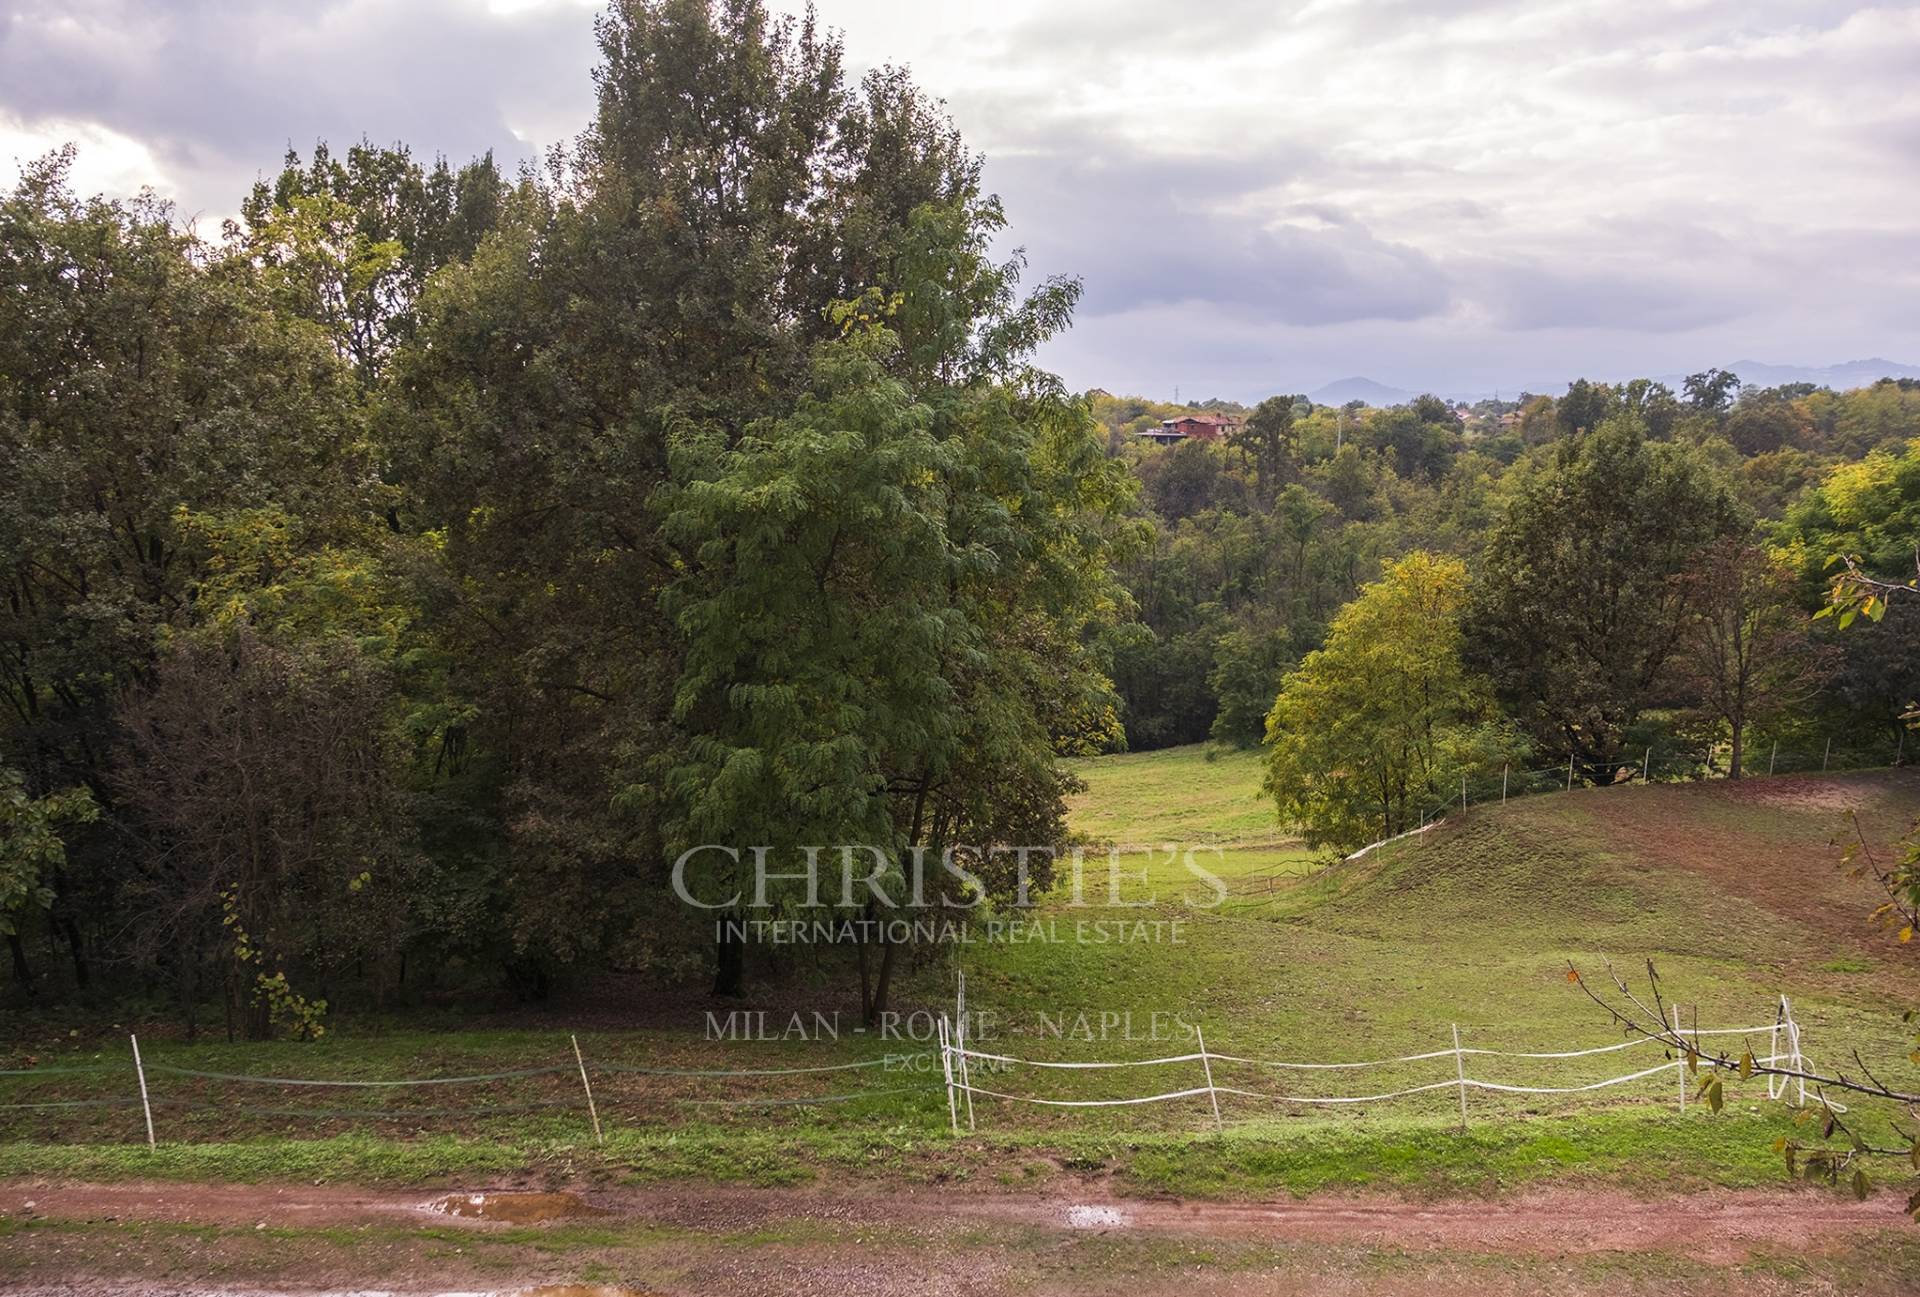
point(1733, 890)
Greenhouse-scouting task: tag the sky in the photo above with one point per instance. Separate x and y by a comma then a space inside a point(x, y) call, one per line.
point(1259, 195)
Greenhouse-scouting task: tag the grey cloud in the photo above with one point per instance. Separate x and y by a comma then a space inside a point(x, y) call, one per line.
point(1407, 188)
point(218, 88)
point(1144, 230)
point(1648, 301)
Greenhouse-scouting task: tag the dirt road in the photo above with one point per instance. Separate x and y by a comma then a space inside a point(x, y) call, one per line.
point(156, 1238)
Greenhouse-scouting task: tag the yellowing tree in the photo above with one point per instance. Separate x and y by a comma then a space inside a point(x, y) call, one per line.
point(1384, 721)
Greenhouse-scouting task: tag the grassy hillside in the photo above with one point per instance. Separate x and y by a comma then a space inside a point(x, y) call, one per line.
point(1156, 806)
point(1733, 890)
point(1197, 793)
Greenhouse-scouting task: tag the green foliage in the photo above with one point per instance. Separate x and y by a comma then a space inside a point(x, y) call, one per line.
point(1853, 535)
point(1746, 650)
point(474, 542)
point(32, 848)
point(351, 245)
point(1371, 729)
point(1711, 391)
point(1247, 669)
point(1419, 440)
point(889, 595)
point(301, 1016)
point(1575, 611)
point(1267, 434)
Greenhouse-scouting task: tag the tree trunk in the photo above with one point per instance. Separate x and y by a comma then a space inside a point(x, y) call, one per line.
point(729, 963)
point(188, 962)
point(21, 973)
point(866, 979)
point(881, 988)
point(71, 931)
point(1733, 760)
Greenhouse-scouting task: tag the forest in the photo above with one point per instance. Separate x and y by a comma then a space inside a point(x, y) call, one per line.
point(400, 579)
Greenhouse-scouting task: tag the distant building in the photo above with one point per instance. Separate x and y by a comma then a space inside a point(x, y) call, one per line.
point(1200, 427)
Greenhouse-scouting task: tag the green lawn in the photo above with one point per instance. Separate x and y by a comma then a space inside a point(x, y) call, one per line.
point(1197, 793)
point(1732, 890)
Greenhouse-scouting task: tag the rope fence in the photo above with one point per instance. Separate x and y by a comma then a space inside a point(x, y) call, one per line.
point(1783, 1036)
point(141, 1072)
point(1216, 1076)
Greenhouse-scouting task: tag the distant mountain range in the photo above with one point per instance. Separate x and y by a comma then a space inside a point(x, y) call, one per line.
point(1852, 373)
point(1343, 390)
point(1753, 373)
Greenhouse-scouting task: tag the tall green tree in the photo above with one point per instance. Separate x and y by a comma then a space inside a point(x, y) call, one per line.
point(892, 596)
point(618, 339)
point(1746, 653)
point(350, 244)
point(1859, 524)
point(1267, 435)
point(1371, 729)
point(144, 378)
point(1575, 611)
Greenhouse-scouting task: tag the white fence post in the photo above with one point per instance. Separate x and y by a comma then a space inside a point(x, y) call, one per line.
point(1784, 1047)
point(1503, 782)
point(1460, 1071)
point(1646, 764)
point(587, 1085)
point(1793, 1045)
point(1206, 1065)
point(946, 1067)
point(966, 1072)
point(1824, 756)
point(1773, 756)
point(959, 1036)
point(1569, 772)
point(141, 1069)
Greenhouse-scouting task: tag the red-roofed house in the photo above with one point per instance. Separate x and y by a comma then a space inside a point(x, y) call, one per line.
point(1201, 427)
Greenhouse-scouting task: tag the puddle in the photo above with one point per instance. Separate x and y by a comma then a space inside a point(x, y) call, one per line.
point(1095, 1218)
point(522, 1209)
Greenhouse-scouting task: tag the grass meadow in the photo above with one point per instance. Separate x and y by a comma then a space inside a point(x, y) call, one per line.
point(1733, 891)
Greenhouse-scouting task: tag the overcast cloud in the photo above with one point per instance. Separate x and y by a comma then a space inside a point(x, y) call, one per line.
point(1260, 196)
